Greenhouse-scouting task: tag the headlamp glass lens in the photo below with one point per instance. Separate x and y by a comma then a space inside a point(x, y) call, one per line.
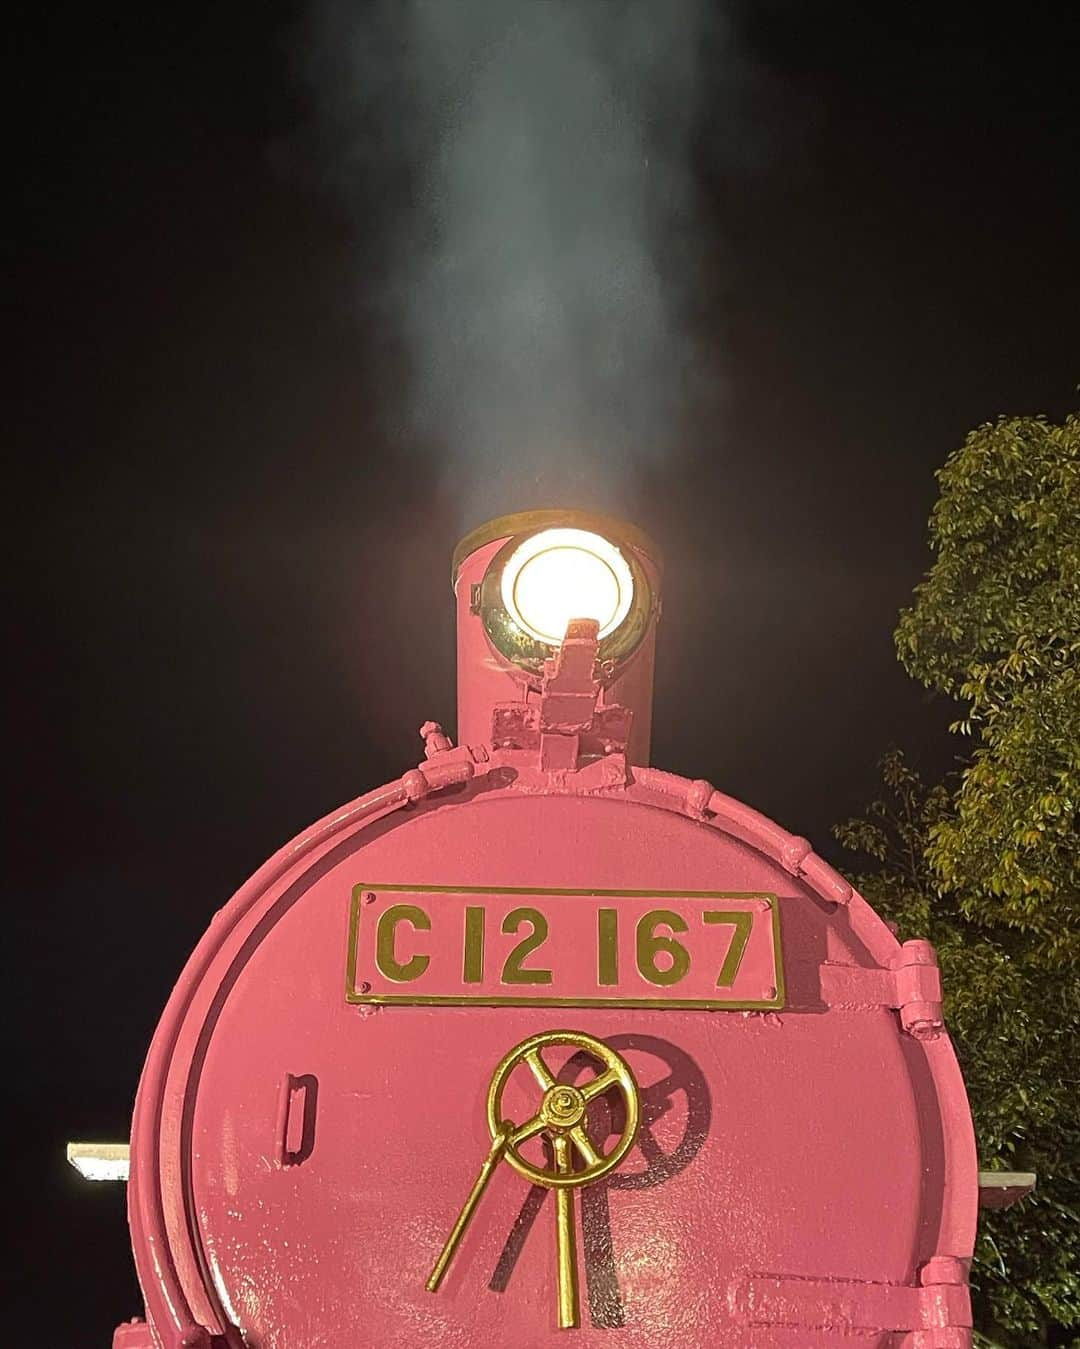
point(560, 574)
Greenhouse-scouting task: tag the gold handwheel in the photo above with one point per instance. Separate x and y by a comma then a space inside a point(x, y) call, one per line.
point(561, 1116)
point(563, 1109)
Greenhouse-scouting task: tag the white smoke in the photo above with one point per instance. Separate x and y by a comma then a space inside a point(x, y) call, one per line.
point(528, 163)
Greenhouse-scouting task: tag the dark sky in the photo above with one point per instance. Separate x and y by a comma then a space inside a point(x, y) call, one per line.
point(230, 566)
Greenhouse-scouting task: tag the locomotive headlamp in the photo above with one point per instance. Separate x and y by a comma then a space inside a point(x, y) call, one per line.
point(560, 574)
point(554, 567)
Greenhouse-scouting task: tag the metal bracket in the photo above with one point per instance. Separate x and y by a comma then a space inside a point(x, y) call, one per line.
point(1002, 1189)
point(936, 1312)
point(566, 725)
point(911, 985)
point(133, 1334)
point(918, 989)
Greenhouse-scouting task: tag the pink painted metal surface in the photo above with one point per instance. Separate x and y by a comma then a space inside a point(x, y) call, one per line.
point(805, 1175)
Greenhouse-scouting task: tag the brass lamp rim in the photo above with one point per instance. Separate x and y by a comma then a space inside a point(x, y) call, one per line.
point(616, 531)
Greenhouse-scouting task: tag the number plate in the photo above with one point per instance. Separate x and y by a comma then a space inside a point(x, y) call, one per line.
point(563, 948)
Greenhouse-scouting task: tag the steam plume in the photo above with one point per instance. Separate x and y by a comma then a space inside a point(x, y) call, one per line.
point(529, 165)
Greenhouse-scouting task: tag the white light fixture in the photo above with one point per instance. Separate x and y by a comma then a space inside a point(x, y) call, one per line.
point(100, 1161)
point(560, 574)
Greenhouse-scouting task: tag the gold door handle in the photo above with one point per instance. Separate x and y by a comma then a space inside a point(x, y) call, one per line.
point(469, 1207)
point(561, 1117)
point(565, 1241)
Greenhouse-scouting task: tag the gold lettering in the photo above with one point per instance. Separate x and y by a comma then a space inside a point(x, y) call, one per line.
point(473, 969)
point(649, 946)
point(742, 923)
point(385, 957)
point(514, 972)
point(607, 946)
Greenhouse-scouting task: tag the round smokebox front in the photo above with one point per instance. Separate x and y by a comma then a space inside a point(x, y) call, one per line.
point(540, 1042)
point(336, 1112)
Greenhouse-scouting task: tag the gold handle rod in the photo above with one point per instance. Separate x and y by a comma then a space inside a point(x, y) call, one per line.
point(490, 1162)
point(566, 1241)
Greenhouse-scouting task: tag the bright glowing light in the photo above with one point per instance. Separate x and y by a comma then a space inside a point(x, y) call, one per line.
point(99, 1161)
point(560, 574)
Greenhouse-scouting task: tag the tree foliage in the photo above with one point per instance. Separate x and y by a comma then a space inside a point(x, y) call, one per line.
point(997, 624)
point(987, 864)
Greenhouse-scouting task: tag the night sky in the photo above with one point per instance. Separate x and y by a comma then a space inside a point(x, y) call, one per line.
point(231, 553)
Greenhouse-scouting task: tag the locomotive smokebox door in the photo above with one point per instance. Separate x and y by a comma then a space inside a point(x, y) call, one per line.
point(538, 1045)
